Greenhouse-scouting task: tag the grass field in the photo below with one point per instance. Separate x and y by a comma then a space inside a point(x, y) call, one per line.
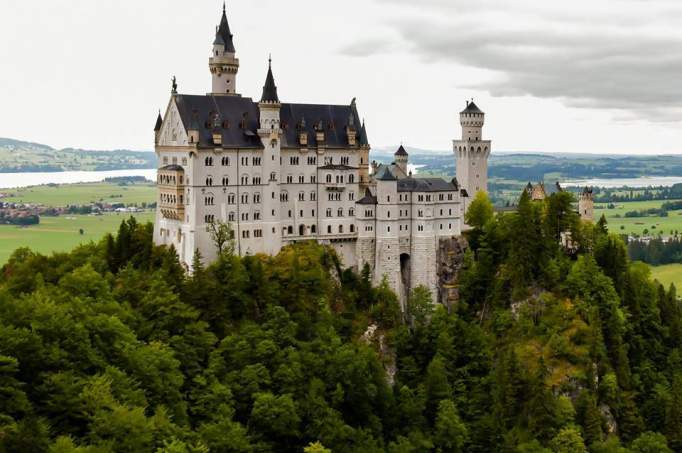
point(77, 194)
point(59, 234)
point(671, 273)
point(637, 225)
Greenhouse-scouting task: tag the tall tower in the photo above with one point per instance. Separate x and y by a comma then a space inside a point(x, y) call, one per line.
point(401, 158)
point(223, 63)
point(472, 151)
point(586, 204)
point(270, 133)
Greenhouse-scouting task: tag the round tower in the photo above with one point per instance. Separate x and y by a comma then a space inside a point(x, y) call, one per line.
point(586, 204)
point(401, 158)
point(472, 151)
point(223, 64)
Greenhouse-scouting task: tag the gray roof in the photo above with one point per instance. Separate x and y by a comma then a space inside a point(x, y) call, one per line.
point(401, 151)
point(426, 185)
point(472, 108)
point(363, 134)
point(159, 121)
point(368, 198)
point(224, 32)
point(269, 89)
point(240, 118)
point(384, 174)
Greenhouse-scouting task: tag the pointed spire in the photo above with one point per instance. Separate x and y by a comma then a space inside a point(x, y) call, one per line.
point(401, 151)
point(224, 33)
point(363, 134)
point(270, 89)
point(159, 121)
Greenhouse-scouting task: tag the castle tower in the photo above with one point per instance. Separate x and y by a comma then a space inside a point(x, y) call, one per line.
point(472, 151)
point(586, 205)
point(157, 128)
point(270, 134)
point(223, 63)
point(401, 157)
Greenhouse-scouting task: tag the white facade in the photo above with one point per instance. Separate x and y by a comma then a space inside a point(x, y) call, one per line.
point(281, 173)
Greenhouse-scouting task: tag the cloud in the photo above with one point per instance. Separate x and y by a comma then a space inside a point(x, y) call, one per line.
point(624, 55)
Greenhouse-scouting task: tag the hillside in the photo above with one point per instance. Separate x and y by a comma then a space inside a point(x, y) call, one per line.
point(114, 348)
point(18, 156)
point(547, 166)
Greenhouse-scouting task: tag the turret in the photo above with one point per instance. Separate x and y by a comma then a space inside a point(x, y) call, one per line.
point(401, 157)
point(157, 128)
point(223, 63)
point(269, 106)
point(586, 204)
point(472, 151)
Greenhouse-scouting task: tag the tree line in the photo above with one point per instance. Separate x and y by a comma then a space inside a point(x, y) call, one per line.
point(558, 344)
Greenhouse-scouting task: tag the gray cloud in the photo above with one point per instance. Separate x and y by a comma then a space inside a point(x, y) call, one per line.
point(624, 55)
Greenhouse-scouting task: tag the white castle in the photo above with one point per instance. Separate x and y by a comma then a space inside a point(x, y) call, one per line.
point(281, 173)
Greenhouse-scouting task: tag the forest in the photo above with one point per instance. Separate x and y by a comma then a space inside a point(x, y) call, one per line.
point(558, 343)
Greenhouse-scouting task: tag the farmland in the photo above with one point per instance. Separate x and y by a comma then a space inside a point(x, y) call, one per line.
point(80, 194)
point(654, 225)
point(671, 273)
point(60, 234)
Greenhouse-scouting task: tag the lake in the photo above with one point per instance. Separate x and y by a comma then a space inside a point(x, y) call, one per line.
point(14, 180)
point(647, 181)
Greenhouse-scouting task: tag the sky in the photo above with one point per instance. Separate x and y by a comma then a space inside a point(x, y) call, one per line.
point(592, 76)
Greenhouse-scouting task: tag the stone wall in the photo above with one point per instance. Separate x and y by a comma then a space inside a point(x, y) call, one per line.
point(450, 261)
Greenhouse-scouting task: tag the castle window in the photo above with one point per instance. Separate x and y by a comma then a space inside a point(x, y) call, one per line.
point(340, 229)
point(209, 181)
point(340, 212)
point(313, 196)
point(301, 179)
point(351, 212)
point(329, 179)
point(226, 181)
point(290, 179)
point(301, 196)
point(313, 229)
point(225, 161)
point(301, 230)
point(352, 228)
point(245, 234)
point(290, 230)
point(273, 176)
point(256, 180)
point(351, 196)
point(329, 229)
point(208, 161)
point(256, 197)
point(256, 215)
point(245, 198)
point(258, 233)
point(313, 179)
point(351, 179)
point(230, 198)
point(313, 213)
point(329, 212)
point(245, 216)
point(256, 161)
point(388, 229)
point(345, 160)
point(290, 213)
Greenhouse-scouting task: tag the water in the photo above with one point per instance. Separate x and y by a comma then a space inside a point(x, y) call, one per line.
point(15, 180)
point(646, 181)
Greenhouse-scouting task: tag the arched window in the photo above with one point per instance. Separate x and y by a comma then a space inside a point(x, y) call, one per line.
point(290, 230)
point(352, 228)
point(301, 230)
point(329, 179)
point(340, 229)
point(313, 229)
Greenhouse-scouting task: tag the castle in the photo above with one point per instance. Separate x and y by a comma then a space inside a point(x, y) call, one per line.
point(281, 172)
point(538, 192)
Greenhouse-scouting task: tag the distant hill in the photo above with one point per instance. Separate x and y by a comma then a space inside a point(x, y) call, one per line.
point(538, 166)
point(19, 156)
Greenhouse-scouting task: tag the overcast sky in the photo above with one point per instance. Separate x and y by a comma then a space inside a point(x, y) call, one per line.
point(578, 76)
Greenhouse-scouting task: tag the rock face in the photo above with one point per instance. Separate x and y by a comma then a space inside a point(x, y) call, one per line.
point(450, 256)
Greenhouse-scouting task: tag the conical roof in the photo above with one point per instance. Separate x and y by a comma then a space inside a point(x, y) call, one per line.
point(472, 108)
point(224, 33)
point(269, 89)
point(401, 151)
point(159, 121)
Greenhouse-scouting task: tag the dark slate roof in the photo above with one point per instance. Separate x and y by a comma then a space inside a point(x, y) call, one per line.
point(159, 121)
point(337, 167)
point(363, 134)
point(224, 33)
point(425, 185)
point(173, 167)
point(239, 118)
point(368, 198)
point(464, 193)
point(384, 174)
point(587, 190)
point(472, 108)
point(269, 89)
point(401, 151)
point(333, 118)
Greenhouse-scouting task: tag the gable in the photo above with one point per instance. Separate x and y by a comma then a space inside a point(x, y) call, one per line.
point(173, 131)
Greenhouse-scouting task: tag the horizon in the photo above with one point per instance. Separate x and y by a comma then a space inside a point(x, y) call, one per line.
point(618, 91)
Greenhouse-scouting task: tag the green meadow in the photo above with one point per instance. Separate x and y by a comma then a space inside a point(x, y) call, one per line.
point(618, 223)
point(76, 194)
point(671, 273)
point(60, 234)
